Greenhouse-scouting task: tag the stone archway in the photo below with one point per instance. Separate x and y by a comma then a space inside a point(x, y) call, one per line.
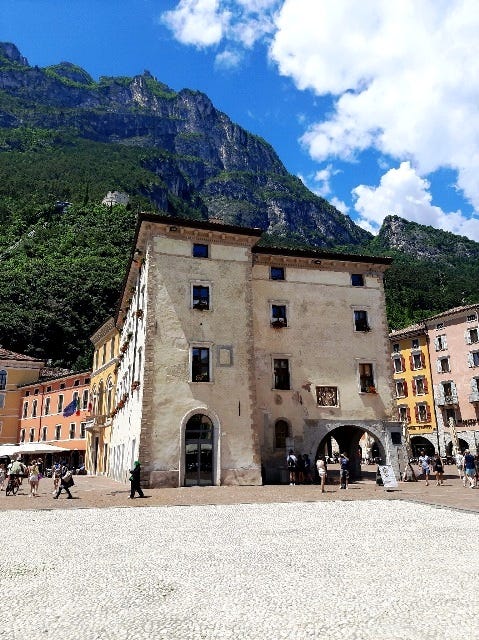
point(348, 437)
point(419, 443)
point(387, 435)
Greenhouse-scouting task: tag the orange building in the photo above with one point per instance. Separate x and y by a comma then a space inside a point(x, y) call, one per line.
point(15, 369)
point(413, 386)
point(42, 419)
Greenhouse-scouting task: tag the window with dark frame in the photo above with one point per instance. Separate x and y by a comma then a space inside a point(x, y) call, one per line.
point(417, 361)
point(47, 406)
point(201, 297)
point(25, 409)
point(361, 321)
point(415, 343)
point(200, 364)
point(200, 250)
point(3, 379)
point(31, 436)
point(276, 273)
point(58, 432)
point(278, 315)
point(398, 365)
point(22, 435)
point(396, 348)
point(281, 373)
point(357, 280)
point(366, 378)
point(44, 433)
point(281, 432)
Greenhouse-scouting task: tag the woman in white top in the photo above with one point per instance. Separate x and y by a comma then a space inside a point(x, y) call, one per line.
point(321, 467)
point(33, 478)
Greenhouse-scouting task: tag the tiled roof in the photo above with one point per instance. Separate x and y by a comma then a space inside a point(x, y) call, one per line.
point(6, 354)
point(413, 328)
point(449, 312)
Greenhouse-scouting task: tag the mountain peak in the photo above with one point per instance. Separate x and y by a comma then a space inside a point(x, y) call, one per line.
point(11, 53)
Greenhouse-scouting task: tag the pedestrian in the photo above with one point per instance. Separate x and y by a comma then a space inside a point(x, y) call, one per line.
point(307, 469)
point(343, 470)
point(135, 481)
point(470, 468)
point(460, 466)
point(322, 472)
point(291, 461)
point(56, 475)
point(438, 469)
point(66, 481)
point(3, 472)
point(33, 478)
point(299, 469)
point(424, 465)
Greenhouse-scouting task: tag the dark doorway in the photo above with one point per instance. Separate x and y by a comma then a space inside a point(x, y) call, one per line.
point(199, 451)
point(418, 443)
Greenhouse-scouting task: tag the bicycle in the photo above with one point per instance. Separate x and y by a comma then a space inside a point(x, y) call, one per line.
point(13, 485)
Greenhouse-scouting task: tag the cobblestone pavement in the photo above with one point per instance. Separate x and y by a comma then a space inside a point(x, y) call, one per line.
point(241, 563)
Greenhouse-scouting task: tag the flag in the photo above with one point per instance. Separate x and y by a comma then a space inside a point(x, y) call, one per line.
point(70, 409)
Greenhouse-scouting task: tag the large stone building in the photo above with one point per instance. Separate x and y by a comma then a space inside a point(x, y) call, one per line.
point(230, 353)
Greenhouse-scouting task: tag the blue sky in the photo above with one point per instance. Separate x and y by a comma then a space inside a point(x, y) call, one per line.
point(373, 104)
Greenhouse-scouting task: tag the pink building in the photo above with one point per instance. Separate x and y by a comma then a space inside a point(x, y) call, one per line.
point(454, 355)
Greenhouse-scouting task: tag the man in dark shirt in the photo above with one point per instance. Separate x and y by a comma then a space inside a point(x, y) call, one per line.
point(343, 470)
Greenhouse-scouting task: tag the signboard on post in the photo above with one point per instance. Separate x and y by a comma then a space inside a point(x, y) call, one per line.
point(388, 477)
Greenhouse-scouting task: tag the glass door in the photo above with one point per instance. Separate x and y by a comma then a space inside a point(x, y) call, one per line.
point(199, 451)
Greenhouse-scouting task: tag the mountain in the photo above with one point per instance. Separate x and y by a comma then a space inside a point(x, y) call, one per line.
point(66, 140)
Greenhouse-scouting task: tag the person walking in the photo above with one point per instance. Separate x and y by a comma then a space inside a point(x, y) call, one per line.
point(460, 466)
point(135, 481)
point(470, 468)
point(425, 466)
point(438, 469)
point(33, 478)
point(66, 481)
point(291, 461)
point(3, 472)
point(56, 475)
point(321, 467)
point(343, 470)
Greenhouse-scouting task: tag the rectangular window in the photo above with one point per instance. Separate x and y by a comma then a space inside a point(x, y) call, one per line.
point(47, 406)
point(422, 413)
point(84, 402)
point(398, 365)
point(361, 321)
point(472, 336)
point(58, 432)
point(471, 318)
point(276, 273)
point(402, 414)
point(443, 365)
point(278, 315)
point(200, 250)
point(420, 387)
point(31, 435)
point(201, 297)
point(401, 388)
point(72, 431)
point(440, 343)
point(475, 358)
point(416, 361)
point(281, 373)
point(60, 404)
point(327, 396)
point(82, 429)
point(396, 347)
point(22, 435)
point(366, 378)
point(415, 343)
point(44, 433)
point(34, 408)
point(25, 410)
point(357, 280)
point(200, 364)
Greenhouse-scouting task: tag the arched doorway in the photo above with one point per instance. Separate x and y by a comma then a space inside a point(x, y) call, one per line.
point(199, 451)
point(463, 445)
point(347, 438)
point(418, 443)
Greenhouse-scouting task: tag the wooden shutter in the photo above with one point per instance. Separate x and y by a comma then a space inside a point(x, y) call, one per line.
point(408, 414)
point(423, 360)
point(425, 385)
point(411, 362)
point(467, 336)
point(416, 413)
point(413, 386)
point(428, 413)
point(403, 364)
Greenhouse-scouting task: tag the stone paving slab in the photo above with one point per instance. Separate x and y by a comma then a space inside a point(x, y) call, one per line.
point(351, 569)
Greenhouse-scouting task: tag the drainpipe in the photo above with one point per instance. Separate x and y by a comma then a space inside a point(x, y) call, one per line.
point(434, 397)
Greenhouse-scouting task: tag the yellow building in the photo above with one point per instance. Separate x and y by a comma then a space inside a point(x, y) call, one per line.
point(413, 385)
point(15, 369)
point(102, 393)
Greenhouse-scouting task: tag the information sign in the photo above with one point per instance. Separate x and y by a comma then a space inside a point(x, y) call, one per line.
point(387, 476)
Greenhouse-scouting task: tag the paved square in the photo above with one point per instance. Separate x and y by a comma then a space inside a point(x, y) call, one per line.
point(354, 569)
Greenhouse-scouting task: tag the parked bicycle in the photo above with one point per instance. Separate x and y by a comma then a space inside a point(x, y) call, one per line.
point(13, 485)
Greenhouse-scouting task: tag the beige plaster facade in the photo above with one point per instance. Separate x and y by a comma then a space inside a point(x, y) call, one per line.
point(224, 348)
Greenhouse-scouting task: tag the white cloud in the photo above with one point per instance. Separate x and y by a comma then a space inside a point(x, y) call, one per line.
point(203, 23)
point(197, 22)
point(228, 59)
point(404, 193)
point(405, 76)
